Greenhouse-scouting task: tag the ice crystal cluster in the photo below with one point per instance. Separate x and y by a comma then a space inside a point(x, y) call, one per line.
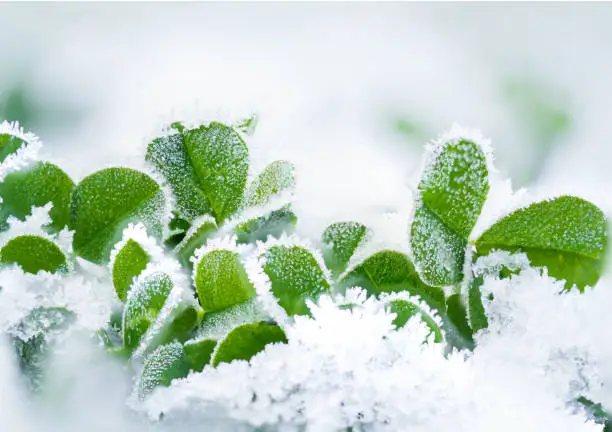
point(184, 293)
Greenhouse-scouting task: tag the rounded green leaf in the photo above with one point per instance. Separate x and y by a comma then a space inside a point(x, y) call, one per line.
point(202, 229)
point(275, 224)
point(165, 364)
point(220, 160)
point(405, 310)
point(567, 235)
point(295, 276)
point(36, 186)
point(105, 202)
point(452, 192)
point(130, 261)
point(200, 353)
point(221, 280)
point(245, 341)
point(173, 160)
point(340, 241)
point(391, 271)
point(145, 300)
point(33, 254)
point(275, 178)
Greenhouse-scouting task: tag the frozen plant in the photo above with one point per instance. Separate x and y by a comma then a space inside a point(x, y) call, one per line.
point(193, 278)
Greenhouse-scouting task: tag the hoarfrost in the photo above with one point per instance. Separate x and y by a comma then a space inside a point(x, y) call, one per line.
point(25, 154)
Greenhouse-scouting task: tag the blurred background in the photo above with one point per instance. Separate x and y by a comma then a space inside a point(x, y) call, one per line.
point(349, 91)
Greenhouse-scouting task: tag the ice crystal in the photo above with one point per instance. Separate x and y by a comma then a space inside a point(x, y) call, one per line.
point(25, 154)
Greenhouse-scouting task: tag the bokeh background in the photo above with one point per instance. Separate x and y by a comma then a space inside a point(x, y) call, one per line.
point(349, 91)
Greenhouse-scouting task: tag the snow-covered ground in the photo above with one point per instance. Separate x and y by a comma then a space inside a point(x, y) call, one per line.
point(329, 83)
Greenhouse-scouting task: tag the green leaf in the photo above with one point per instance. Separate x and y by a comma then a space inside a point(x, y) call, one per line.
point(340, 241)
point(567, 235)
point(177, 229)
point(452, 192)
point(33, 254)
point(9, 144)
point(295, 276)
point(36, 186)
point(245, 341)
point(130, 261)
point(216, 325)
point(172, 159)
point(406, 310)
point(275, 224)
point(220, 160)
point(221, 280)
point(105, 202)
point(275, 178)
point(475, 309)
point(391, 271)
point(455, 323)
point(200, 352)
point(33, 337)
point(145, 300)
point(165, 364)
point(596, 412)
point(202, 229)
point(178, 325)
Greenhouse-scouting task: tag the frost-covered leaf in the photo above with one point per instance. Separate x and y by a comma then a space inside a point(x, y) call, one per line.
point(221, 280)
point(129, 262)
point(9, 144)
point(456, 326)
point(105, 202)
point(202, 229)
point(475, 309)
point(18, 149)
point(405, 310)
point(567, 235)
point(275, 178)
point(597, 412)
point(177, 229)
point(275, 224)
point(220, 159)
point(33, 254)
point(32, 338)
point(200, 353)
point(144, 301)
point(35, 186)
point(245, 341)
point(173, 159)
point(295, 276)
point(391, 271)
point(452, 192)
point(340, 241)
point(216, 325)
point(166, 363)
point(177, 325)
